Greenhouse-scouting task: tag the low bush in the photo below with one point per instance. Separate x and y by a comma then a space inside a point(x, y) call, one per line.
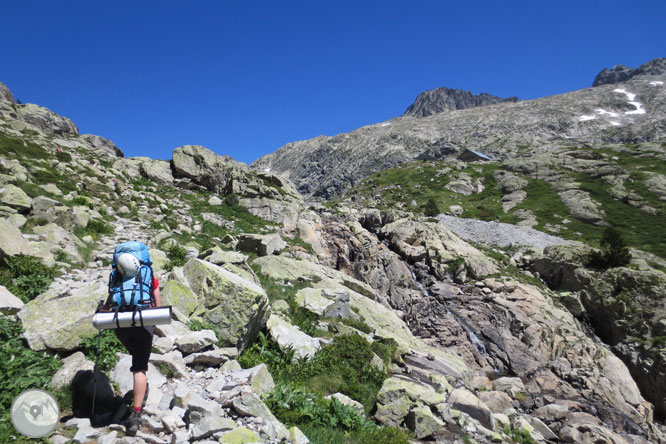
point(20, 369)
point(614, 252)
point(109, 348)
point(95, 228)
point(343, 366)
point(327, 421)
point(177, 257)
point(25, 276)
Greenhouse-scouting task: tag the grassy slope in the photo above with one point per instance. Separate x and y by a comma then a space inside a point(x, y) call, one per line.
point(421, 181)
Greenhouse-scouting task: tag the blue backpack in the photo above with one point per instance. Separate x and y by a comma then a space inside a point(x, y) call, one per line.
point(134, 292)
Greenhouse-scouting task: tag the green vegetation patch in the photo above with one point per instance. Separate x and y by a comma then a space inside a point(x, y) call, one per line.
point(639, 229)
point(20, 369)
point(298, 399)
point(26, 277)
point(110, 345)
point(14, 148)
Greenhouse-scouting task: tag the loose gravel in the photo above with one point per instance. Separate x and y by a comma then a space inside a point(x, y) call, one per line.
point(498, 233)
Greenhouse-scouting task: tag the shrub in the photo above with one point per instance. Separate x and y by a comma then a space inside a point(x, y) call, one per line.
point(343, 366)
point(25, 276)
point(63, 156)
point(327, 421)
point(20, 369)
point(613, 253)
point(431, 209)
point(95, 228)
point(177, 257)
point(108, 350)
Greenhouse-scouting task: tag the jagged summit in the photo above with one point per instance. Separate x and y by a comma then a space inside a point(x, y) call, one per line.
point(622, 73)
point(5, 93)
point(446, 99)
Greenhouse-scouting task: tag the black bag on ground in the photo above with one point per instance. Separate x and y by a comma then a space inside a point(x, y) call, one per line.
point(109, 408)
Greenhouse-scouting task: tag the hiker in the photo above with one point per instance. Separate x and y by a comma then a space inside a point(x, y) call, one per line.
point(132, 286)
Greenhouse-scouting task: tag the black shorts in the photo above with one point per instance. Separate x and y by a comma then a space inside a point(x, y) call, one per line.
point(138, 341)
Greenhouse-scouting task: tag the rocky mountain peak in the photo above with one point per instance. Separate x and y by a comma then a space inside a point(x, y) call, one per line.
point(446, 99)
point(5, 93)
point(622, 73)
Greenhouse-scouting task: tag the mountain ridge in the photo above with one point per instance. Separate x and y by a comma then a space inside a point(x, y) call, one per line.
point(444, 99)
point(325, 167)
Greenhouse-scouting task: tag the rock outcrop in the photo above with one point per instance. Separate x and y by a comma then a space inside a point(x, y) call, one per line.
point(445, 99)
point(622, 73)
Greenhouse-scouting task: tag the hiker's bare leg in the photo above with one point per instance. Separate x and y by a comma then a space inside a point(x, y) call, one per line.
point(139, 388)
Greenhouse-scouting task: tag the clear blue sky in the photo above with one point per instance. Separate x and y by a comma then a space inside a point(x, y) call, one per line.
point(245, 77)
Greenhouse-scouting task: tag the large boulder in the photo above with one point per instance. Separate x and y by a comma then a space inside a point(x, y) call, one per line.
point(261, 244)
point(263, 194)
point(13, 196)
point(101, 145)
point(438, 246)
point(57, 319)
point(12, 242)
point(237, 308)
point(158, 171)
point(206, 168)
point(583, 207)
point(59, 239)
point(289, 336)
point(45, 120)
point(294, 270)
point(9, 304)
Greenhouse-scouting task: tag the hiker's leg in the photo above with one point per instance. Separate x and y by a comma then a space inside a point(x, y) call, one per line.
point(139, 388)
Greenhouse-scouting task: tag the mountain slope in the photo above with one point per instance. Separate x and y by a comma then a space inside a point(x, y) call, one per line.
point(325, 167)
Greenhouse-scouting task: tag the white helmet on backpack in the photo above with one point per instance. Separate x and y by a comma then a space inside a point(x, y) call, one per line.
point(128, 265)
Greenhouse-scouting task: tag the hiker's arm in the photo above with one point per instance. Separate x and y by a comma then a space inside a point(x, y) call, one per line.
point(158, 297)
point(107, 304)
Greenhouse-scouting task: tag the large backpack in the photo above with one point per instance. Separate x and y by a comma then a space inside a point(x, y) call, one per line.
point(134, 292)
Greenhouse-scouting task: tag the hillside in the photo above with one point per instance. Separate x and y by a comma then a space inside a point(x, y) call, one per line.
point(627, 113)
point(360, 320)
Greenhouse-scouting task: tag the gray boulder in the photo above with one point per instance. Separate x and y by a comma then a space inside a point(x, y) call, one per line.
point(290, 336)
point(196, 341)
point(465, 401)
point(45, 120)
point(101, 145)
point(237, 308)
point(13, 196)
point(261, 244)
point(9, 304)
point(206, 168)
point(12, 242)
point(56, 321)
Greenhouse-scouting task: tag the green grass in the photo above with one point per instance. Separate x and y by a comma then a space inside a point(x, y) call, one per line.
point(299, 316)
point(13, 148)
point(639, 229)
point(25, 276)
point(109, 347)
point(343, 366)
point(20, 369)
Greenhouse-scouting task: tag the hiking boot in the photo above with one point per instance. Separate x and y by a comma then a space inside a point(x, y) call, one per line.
point(133, 423)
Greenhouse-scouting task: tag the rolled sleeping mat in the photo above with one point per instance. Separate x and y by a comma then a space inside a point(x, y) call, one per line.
point(104, 320)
